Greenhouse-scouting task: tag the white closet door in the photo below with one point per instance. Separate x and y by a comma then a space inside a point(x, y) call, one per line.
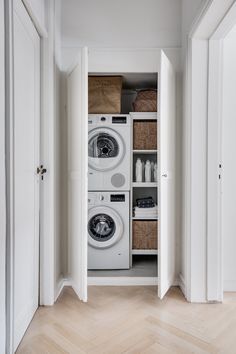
point(166, 190)
point(26, 160)
point(78, 172)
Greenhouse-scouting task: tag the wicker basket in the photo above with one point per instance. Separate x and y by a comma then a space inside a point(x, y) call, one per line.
point(146, 101)
point(145, 135)
point(104, 94)
point(144, 234)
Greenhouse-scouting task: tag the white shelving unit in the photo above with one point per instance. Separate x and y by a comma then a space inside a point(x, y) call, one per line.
point(144, 184)
point(144, 218)
point(145, 252)
point(144, 152)
point(143, 115)
point(140, 189)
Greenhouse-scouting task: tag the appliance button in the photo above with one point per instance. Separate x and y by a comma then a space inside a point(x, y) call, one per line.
point(103, 119)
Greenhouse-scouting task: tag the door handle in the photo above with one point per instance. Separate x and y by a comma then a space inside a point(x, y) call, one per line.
point(40, 171)
point(164, 175)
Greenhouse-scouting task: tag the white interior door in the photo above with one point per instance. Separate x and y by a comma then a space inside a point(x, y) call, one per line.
point(26, 160)
point(166, 190)
point(78, 173)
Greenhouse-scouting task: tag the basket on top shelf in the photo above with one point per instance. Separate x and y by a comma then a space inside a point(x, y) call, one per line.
point(144, 135)
point(104, 94)
point(145, 234)
point(146, 101)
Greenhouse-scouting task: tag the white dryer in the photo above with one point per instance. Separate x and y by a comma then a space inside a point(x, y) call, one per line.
point(108, 230)
point(109, 144)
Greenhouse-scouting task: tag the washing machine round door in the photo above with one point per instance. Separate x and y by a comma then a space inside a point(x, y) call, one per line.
point(105, 227)
point(106, 149)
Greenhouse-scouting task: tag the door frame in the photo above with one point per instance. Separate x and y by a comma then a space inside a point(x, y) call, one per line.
point(203, 83)
point(47, 193)
point(2, 183)
point(214, 231)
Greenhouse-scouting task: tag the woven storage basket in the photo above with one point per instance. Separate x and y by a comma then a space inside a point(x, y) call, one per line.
point(144, 234)
point(145, 135)
point(104, 94)
point(146, 101)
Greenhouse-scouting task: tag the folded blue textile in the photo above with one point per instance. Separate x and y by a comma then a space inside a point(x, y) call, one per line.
point(145, 202)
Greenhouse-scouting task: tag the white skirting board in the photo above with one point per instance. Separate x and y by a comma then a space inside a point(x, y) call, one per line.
point(122, 281)
point(229, 285)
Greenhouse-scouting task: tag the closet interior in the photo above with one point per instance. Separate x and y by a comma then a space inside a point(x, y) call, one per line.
point(142, 192)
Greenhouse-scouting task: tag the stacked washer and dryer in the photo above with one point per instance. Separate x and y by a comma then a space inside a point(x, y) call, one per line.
point(109, 181)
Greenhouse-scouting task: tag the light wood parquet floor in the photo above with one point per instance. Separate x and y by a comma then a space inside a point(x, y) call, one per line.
point(132, 320)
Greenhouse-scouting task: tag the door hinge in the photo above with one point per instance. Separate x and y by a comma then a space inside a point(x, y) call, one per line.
point(41, 171)
point(220, 167)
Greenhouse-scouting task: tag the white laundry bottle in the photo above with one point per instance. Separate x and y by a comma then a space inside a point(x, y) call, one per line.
point(143, 171)
point(155, 172)
point(152, 171)
point(148, 171)
point(138, 170)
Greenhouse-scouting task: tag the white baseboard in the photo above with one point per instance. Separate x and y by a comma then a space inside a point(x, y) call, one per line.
point(122, 281)
point(229, 285)
point(67, 282)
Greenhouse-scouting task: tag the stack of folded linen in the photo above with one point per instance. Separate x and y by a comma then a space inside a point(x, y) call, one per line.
point(145, 212)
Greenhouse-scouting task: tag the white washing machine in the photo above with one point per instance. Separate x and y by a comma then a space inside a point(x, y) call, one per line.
point(108, 230)
point(109, 144)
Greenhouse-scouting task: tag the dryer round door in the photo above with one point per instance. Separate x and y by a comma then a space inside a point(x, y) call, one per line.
point(105, 227)
point(106, 149)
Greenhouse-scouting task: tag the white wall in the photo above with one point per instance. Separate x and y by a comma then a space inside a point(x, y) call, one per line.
point(228, 163)
point(132, 23)
point(2, 185)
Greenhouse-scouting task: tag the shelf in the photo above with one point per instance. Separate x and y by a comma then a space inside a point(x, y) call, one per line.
point(143, 115)
point(144, 184)
point(144, 252)
point(144, 218)
point(145, 151)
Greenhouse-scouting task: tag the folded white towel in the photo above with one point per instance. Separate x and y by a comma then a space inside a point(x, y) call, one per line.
point(138, 208)
point(146, 212)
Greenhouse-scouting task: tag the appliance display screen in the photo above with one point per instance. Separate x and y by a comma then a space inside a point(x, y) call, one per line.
point(117, 198)
point(119, 120)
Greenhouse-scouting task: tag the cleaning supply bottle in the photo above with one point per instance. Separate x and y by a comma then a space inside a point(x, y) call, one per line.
point(155, 172)
point(143, 171)
point(152, 171)
point(138, 170)
point(148, 171)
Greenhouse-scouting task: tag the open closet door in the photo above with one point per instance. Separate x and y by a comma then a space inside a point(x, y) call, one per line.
point(77, 174)
point(166, 191)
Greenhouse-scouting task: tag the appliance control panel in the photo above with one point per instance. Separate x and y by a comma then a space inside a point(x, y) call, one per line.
point(108, 119)
point(119, 120)
point(117, 198)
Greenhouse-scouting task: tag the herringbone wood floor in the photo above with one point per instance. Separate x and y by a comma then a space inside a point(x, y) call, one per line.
point(132, 320)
